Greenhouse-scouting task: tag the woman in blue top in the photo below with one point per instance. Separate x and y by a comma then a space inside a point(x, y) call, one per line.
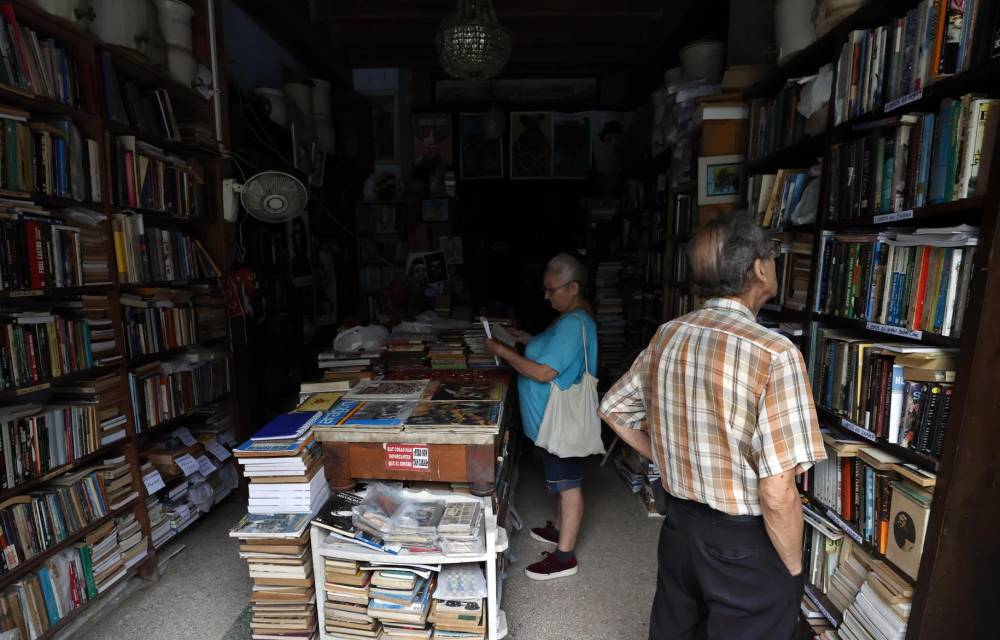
point(556, 355)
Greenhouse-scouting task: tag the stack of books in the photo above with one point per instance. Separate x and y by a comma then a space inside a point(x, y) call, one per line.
point(146, 177)
point(146, 254)
point(285, 467)
point(610, 316)
point(36, 64)
point(447, 354)
point(277, 550)
point(400, 601)
point(109, 567)
point(94, 244)
point(914, 279)
point(347, 367)
point(116, 477)
point(405, 353)
point(102, 323)
point(158, 320)
point(875, 600)
point(348, 592)
point(933, 40)
point(159, 522)
point(171, 388)
point(132, 543)
point(640, 475)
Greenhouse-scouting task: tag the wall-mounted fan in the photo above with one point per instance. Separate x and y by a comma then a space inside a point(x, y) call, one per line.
point(270, 196)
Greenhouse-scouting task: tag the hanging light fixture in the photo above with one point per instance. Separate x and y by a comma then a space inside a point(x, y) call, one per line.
point(472, 45)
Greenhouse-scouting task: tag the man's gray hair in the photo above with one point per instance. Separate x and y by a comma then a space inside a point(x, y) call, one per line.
point(723, 252)
point(569, 268)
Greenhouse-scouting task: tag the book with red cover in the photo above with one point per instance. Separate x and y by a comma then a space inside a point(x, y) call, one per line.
point(917, 305)
point(36, 254)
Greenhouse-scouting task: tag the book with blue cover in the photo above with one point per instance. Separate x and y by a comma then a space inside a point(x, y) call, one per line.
point(273, 448)
point(367, 413)
point(287, 426)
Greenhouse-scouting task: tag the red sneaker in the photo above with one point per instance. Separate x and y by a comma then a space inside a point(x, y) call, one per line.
point(550, 568)
point(547, 534)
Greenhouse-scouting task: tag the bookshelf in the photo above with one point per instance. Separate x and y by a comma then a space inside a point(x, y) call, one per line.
point(951, 564)
point(70, 130)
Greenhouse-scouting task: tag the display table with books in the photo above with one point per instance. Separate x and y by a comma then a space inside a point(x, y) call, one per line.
point(454, 431)
point(398, 590)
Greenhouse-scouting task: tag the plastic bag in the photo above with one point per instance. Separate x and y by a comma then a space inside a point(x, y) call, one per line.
point(357, 339)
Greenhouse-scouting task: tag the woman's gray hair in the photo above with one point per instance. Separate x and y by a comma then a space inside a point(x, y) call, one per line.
point(723, 252)
point(568, 267)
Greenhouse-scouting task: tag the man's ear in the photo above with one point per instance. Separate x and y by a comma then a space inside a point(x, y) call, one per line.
point(758, 270)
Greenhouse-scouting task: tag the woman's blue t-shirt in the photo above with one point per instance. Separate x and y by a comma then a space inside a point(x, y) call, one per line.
point(561, 348)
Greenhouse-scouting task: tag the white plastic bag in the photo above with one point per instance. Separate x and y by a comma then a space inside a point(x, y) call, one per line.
point(357, 339)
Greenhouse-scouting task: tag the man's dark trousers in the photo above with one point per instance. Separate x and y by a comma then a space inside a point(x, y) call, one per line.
point(720, 577)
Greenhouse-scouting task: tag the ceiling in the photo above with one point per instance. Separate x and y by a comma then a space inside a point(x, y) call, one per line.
point(616, 41)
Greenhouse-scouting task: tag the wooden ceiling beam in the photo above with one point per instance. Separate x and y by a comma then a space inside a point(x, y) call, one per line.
point(378, 10)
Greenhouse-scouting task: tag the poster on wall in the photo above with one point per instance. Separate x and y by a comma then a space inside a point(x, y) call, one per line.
point(721, 179)
point(607, 133)
point(300, 265)
point(432, 140)
point(571, 145)
point(530, 144)
point(479, 157)
point(385, 136)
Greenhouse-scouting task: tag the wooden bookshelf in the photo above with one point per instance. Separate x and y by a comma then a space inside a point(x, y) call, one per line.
point(88, 115)
point(964, 497)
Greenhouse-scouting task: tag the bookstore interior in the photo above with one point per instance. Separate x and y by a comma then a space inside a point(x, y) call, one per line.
point(261, 294)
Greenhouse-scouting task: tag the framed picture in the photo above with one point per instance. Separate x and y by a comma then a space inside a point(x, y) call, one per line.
point(432, 140)
point(530, 144)
point(721, 179)
point(571, 145)
point(385, 129)
point(479, 157)
point(434, 210)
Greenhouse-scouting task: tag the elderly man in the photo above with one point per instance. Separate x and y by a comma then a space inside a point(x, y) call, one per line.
point(725, 409)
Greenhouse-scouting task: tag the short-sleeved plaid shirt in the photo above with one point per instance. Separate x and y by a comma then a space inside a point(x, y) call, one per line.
point(725, 402)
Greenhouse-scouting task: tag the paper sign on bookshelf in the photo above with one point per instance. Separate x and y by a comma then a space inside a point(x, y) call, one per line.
point(187, 464)
point(205, 465)
point(895, 216)
point(184, 435)
point(153, 481)
point(219, 451)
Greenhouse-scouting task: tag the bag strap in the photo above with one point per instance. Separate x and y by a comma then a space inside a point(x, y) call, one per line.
point(583, 331)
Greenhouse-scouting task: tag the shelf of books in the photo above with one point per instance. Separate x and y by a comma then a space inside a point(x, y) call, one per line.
point(887, 219)
point(105, 284)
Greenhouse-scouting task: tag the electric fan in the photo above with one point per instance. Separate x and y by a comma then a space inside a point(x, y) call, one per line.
point(270, 196)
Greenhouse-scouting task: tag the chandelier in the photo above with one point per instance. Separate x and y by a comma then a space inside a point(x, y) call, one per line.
point(472, 45)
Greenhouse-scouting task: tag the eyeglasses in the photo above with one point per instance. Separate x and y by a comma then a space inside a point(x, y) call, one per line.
point(554, 289)
point(775, 247)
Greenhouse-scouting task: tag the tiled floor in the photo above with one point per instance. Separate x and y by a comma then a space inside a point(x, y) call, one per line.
point(204, 590)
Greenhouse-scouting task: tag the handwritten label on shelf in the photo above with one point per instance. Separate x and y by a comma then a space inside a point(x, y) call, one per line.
point(187, 464)
point(205, 465)
point(184, 435)
point(903, 332)
point(27, 293)
point(895, 216)
point(846, 528)
point(813, 598)
point(902, 101)
point(219, 451)
point(153, 481)
point(867, 434)
point(409, 457)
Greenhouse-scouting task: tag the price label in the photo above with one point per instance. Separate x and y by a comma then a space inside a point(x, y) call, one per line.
point(228, 438)
point(205, 465)
point(867, 434)
point(895, 216)
point(182, 512)
point(184, 435)
point(846, 528)
point(219, 451)
point(153, 481)
point(187, 464)
point(902, 101)
point(894, 331)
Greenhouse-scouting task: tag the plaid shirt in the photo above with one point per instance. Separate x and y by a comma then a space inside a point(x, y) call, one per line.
point(725, 402)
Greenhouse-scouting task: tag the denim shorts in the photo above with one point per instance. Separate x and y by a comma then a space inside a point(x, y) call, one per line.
point(562, 474)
